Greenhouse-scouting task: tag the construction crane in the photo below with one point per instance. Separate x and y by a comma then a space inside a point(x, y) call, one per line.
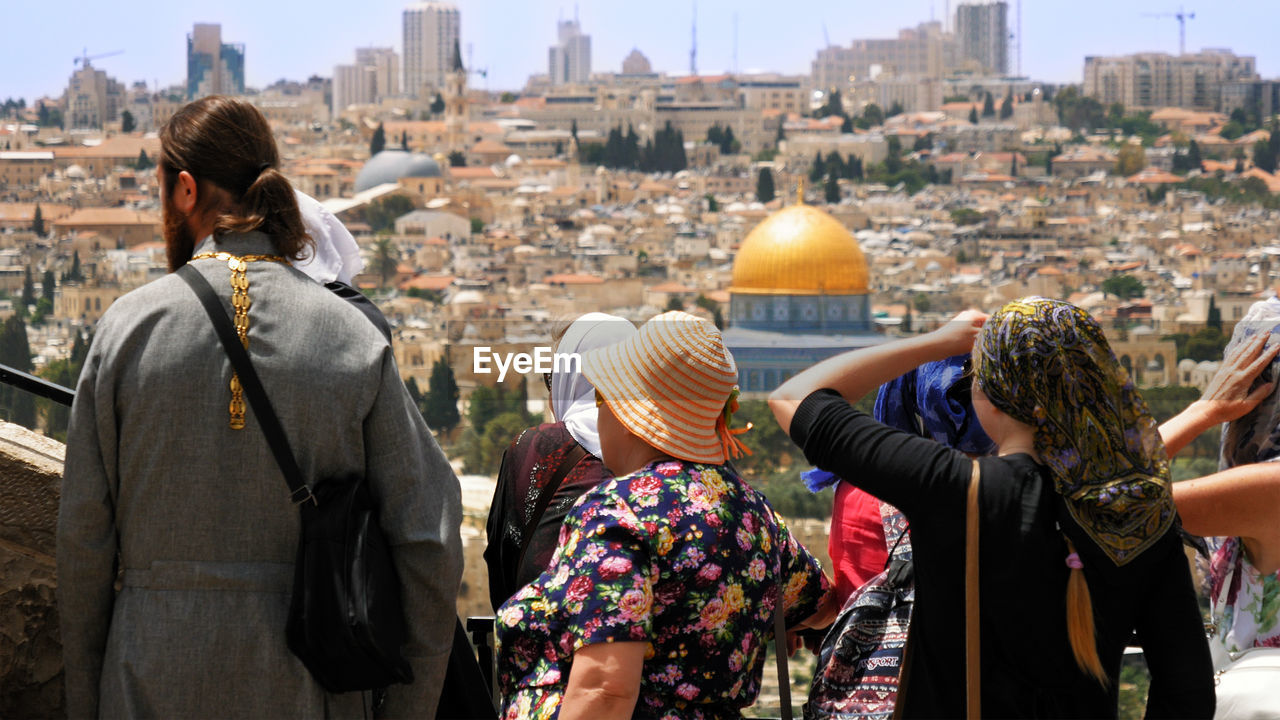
point(85, 57)
point(1182, 18)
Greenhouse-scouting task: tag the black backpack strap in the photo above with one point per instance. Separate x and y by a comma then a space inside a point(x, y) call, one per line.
point(253, 389)
point(572, 458)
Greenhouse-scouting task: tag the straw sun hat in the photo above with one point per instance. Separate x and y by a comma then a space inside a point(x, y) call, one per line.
point(673, 385)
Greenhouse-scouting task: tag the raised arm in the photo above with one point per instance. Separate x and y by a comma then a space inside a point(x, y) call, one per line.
point(854, 374)
point(1241, 501)
point(1228, 395)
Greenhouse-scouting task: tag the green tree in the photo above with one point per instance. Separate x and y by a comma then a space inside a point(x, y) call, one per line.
point(831, 190)
point(477, 226)
point(833, 106)
point(440, 405)
point(764, 185)
point(872, 115)
point(1263, 157)
point(378, 142)
point(437, 104)
point(894, 109)
point(921, 302)
point(75, 274)
point(507, 98)
point(712, 307)
point(127, 123)
point(1213, 317)
point(674, 303)
point(17, 406)
point(382, 214)
point(712, 204)
point(457, 159)
point(1231, 131)
point(973, 115)
point(386, 258)
point(893, 160)
point(143, 162)
point(1123, 286)
point(56, 415)
point(817, 168)
point(28, 290)
point(47, 286)
point(1130, 160)
point(1006, 106)
point(37, 221)
point(988, 106)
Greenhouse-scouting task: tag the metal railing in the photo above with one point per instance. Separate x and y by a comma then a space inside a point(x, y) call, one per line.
point(36, 385)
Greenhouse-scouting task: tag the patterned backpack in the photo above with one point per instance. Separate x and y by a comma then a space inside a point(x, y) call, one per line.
point(862, 654)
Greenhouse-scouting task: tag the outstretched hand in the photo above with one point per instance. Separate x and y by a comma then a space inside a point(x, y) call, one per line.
point(959, 333)
point(1229, 395)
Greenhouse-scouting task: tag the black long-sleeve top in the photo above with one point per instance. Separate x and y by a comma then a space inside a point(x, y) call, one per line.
point(1028, 669)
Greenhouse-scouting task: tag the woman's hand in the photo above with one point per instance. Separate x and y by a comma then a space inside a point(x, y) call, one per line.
point(958, 334)
point(1228, 396)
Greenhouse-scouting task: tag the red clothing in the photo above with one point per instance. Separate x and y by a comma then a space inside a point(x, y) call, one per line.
point(857, 545)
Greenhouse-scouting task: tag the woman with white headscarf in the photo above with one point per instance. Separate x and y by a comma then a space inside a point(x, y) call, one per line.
point(548, 467)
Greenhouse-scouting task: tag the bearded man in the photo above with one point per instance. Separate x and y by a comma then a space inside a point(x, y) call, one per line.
point(169, 479)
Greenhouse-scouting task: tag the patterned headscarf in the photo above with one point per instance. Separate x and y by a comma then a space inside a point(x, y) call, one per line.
point(1047, 364)
point(931, 401)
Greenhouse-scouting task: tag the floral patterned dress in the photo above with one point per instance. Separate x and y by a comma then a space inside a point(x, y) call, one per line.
point(1251, 617)
point(683, 557)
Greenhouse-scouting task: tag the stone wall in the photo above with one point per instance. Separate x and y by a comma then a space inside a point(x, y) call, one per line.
point(30, 647)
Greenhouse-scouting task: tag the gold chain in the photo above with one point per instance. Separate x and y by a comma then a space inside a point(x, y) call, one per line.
point(240, 303)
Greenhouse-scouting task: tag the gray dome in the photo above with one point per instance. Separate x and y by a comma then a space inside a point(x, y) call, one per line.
point(389, 166)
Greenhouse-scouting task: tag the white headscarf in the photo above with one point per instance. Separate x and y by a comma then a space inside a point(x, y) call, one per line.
point(336, 255)
point(573, 397)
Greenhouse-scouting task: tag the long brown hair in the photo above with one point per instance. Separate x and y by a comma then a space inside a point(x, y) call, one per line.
point(225, 142)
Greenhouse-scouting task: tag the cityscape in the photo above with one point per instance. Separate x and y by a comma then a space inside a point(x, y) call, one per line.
point(897, 180)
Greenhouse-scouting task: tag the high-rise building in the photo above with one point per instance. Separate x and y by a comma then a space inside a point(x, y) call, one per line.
point(983, 32)
point(386, 70)
point(374, 76)
point(92, 98)
point(213, 67)
point(924, 50)
point(1148, 81)
point(569, 61)
point(431, 31)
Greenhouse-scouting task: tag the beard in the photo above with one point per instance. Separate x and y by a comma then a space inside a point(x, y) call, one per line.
point(179, 240)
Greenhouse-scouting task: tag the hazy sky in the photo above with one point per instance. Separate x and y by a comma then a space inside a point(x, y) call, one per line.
point(292, 39)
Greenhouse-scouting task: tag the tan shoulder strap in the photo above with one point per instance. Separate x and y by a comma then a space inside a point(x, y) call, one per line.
point(973, 654)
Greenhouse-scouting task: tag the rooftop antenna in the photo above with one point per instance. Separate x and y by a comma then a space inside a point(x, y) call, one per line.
point(735, 43)
point(1019, 38)
point(693, 49)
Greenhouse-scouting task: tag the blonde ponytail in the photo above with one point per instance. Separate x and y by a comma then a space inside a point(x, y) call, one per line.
point(1080, 628)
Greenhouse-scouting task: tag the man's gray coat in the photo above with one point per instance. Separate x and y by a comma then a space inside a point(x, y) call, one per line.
point(198, 515)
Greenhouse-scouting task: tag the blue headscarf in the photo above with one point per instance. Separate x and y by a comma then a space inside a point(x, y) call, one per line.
point(931, 401)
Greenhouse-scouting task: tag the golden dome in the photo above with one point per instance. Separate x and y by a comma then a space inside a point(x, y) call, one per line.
point(800, 250)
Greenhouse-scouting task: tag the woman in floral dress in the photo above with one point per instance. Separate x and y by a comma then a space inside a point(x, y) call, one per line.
point(1240, 504)
point(659, 600)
